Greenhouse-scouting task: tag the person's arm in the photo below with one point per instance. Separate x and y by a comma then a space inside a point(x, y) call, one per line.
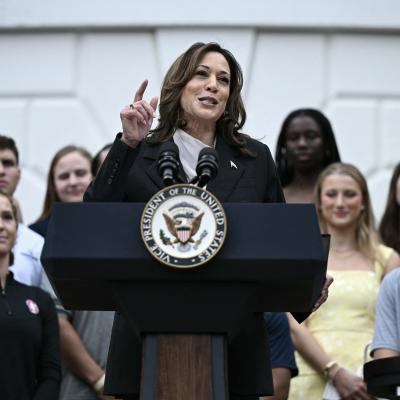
point(349, 385)
point(136, 119)
point(49, 371)
point(281, 379)
point(73, 351)
point(386, 342)
point(305, 343)
point(281, 354)
point(383, 353)
point(75, 355)
point(77, 358)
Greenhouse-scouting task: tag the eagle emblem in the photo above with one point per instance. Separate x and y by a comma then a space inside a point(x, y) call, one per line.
point(183, 221)
point(183, 226)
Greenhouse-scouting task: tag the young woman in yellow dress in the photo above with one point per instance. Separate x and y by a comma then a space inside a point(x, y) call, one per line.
point(331, 342)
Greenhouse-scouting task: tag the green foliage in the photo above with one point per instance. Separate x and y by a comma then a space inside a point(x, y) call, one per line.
point(165, 239)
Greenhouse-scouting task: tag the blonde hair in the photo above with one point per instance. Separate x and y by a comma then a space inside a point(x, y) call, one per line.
point(367, 237)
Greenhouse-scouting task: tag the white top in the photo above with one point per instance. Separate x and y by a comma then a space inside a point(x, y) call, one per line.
point(189, 149)
point(27, 250)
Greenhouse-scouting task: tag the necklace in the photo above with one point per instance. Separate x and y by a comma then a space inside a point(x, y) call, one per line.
point(344, 253)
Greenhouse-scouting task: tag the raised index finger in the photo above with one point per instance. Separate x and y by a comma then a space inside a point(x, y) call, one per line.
point(139, 93)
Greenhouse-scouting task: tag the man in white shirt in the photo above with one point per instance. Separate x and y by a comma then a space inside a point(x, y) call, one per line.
point(28, 247)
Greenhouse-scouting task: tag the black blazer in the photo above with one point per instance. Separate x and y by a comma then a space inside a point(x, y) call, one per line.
point(131, 175)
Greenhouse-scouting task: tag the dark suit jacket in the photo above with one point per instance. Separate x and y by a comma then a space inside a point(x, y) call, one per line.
point(131, 175)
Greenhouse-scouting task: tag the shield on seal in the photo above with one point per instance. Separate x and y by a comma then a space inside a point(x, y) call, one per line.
point(184, 234)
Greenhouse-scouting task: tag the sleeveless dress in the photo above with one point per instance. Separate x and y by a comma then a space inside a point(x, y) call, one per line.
point(343, 325)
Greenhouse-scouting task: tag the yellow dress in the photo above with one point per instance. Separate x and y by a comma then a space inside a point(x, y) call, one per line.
point(343, 325)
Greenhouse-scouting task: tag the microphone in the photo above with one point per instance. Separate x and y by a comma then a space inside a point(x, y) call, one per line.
point(207, 166)
point(168, 162)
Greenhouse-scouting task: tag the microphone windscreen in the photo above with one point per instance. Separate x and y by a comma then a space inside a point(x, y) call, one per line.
point(169, 146)
point(168, 162)
point(208, 151)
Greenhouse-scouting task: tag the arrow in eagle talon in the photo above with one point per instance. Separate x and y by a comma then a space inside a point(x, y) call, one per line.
point(233, 165)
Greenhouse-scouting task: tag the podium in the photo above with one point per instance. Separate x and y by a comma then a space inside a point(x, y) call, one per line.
point(273, 259)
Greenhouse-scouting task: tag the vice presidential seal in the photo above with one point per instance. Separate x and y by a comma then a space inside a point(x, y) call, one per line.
point(183, 226)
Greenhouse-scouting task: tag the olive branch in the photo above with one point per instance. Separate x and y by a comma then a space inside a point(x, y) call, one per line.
point(165, 239)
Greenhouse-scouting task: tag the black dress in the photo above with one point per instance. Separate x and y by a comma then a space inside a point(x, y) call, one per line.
point(131, 175)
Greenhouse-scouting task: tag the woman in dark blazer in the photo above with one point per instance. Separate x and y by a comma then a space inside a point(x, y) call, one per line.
point(200, 106)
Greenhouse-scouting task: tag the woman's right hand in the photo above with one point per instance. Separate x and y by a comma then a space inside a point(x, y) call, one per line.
point(350, 386)
point(137, 117)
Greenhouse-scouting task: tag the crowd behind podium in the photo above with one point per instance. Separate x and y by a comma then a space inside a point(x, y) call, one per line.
point(331, 345)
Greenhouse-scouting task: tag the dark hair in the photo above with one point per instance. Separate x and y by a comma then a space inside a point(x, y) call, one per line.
point(178, 75)
point(389, 227)
point(51, 194)
point(14, 210)
point(96, 163)
point(285, 170)
point(7, 143)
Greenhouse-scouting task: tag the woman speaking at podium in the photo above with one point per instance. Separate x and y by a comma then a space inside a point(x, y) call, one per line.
point(200, 106)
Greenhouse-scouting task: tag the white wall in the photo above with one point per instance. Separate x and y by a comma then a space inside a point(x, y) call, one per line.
point(67, 68)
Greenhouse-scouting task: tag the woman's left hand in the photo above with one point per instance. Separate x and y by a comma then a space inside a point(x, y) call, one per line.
point(324, 293)
point(350, 386)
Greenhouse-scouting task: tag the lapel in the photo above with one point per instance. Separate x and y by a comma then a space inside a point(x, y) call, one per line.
point(151, 153)
point(230, 171)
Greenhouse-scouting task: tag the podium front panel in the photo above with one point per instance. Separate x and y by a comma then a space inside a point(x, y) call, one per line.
point(273, 259)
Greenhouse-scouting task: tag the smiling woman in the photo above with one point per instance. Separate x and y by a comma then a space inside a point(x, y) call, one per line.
point(341, 202)
point(201, 94)
point(332, 340)
point(68, 177)
point(204, 97)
